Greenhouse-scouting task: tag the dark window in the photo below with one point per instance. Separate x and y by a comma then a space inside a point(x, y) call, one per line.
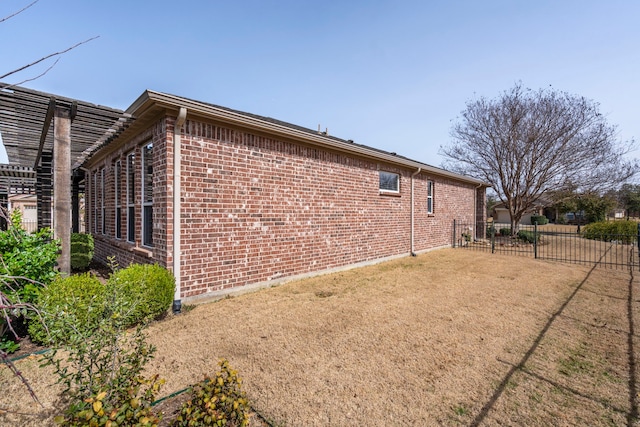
point(103, 216)
point(389, 181)
point(147, 195)
point(131, 210)
point(117, 179)
point(429, 197)
point(95, 202)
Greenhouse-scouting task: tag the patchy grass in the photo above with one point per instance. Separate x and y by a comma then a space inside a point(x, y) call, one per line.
point(451, 337)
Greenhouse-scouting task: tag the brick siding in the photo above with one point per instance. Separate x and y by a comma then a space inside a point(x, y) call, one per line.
point(257, 208)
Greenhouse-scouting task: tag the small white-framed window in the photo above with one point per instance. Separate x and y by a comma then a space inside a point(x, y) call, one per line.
point(429, 197)
point(389, 182)
point(147, 194)
point(117, 179)
point(103, 209)
point(131, 209)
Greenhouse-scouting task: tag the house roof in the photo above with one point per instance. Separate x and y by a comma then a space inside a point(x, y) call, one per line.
point(151, 103)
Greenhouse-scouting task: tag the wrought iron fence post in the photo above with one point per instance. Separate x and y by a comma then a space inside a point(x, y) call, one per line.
point(454, 233)
point(535, 239)
point(493, 239)
point(638, 241)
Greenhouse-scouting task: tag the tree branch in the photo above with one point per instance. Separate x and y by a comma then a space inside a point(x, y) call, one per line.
point(19, 12)
point(47, 57)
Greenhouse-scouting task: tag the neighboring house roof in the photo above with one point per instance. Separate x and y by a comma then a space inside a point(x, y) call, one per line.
point(151, 104)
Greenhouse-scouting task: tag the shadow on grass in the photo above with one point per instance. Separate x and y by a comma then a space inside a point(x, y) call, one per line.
point(633, 386)
point(632, 414)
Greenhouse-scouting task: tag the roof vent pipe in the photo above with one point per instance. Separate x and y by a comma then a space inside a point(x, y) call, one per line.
point(177, 207)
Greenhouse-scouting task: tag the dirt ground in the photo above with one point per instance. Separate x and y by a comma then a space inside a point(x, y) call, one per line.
point(451, 337)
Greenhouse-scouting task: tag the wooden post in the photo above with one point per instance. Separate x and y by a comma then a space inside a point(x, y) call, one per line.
point(62, 186)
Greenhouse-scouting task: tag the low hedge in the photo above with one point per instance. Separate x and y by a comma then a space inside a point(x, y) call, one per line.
point(142, 291)
point(81, 250)
point(622, 231)
point(528, 236)
point(539, 219)
point(68, 303)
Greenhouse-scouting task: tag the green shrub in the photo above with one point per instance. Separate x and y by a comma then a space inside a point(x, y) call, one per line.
point(81, 250)
point(490, 231)
point(217, 401)
point(67, 304)
point(539, 219)
point(528, 236)
point(29, 257)
point(505, 231)
point(147, 289)
point(622, 231)
point(102, 375)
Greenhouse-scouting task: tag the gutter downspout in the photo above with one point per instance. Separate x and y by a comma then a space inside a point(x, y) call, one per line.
point(475, 211)
point(177, 206)
point(413, 175)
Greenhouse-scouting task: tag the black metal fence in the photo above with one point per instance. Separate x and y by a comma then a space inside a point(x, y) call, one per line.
point(562, 243)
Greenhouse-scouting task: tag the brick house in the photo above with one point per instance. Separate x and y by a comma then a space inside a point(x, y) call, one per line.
point(260, 201)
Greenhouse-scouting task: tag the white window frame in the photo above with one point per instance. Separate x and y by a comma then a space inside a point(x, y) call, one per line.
point(147, 205)
point(430, 192)
point(385, 178)
point(117, 187)
point(131, 207)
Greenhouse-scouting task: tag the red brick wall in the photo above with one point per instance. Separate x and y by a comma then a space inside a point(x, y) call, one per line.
point(257, 208)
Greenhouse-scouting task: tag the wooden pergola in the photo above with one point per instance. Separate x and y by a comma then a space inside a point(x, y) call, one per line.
point(44, 135)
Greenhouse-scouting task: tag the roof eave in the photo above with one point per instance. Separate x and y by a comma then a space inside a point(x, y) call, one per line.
point(149, 99)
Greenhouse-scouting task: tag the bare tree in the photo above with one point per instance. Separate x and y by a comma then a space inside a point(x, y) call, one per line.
point(528, 143)
point(37, 61)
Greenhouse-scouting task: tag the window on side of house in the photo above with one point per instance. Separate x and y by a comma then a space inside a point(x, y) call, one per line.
point(131, 210)
point(429, 197)
point(95, 202)
point(103, 217)
point(147, 194)
point(117, 178)
point(389, 182)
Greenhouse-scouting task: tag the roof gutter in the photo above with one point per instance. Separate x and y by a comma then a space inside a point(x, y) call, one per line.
point(177, 205)
point(149, 98)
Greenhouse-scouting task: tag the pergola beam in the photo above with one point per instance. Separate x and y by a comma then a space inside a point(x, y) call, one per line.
point(45, 129)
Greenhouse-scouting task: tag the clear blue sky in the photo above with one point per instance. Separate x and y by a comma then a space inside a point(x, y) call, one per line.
point(389, 74)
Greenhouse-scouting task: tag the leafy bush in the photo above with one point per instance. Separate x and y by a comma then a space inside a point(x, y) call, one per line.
point(29, 257)
point(74, 302)
point(528, 236)
point(102, 374)
point(539, 219)
point(81, 250)
point(217, 401)
point(148, 289)
point(490, 231)
point(622, 231)
point(505, 231)
point(98, 360)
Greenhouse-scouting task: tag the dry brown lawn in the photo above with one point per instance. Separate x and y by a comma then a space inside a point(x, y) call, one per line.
point(451, 337)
